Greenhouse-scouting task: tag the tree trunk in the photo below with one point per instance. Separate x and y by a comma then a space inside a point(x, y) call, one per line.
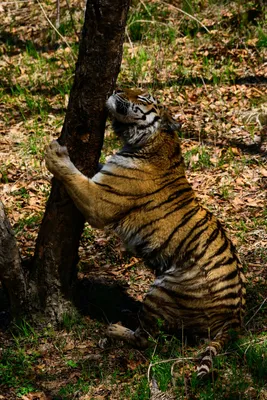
point(11, 273)
point(53, 270)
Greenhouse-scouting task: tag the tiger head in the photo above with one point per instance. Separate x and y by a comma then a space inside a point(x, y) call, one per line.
point(138, 117)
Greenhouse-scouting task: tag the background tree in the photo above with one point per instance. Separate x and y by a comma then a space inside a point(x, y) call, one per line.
point(45, 286)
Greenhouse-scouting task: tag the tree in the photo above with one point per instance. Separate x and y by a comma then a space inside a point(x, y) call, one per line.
point(45, 286)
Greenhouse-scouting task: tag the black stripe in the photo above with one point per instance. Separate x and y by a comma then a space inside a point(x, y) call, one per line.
point(187, 216)
point(136, 108)
point(225, 261)
point(178, 207)
point(134, 154)
point(121, 212)
point(211, 239)
point(230, 276)
point(139, 247)
point(115, 191)
point(156, 220)
point(144, 99)
point(117, 175)
point(148, 309)
point(104, 185)
point(139, 206)
point(230, 295)
point(127, 168)
point(207, 363)
point(180, 177)
point(175, 165)
point(217, 321)
point(164, 186)
point(172, 197)
point(197, 236)
point(221, 306)
point(142, 127)
point(182, 243)
point(153, 109)
point(221, 249)
point(176, 295)
point(138, 139)
point(199, 224)
point(154, 297)
point(137, 231)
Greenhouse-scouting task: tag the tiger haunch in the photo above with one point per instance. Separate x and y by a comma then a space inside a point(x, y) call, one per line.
point(143, 194)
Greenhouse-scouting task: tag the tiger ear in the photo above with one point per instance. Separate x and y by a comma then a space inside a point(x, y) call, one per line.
point(174, 126)
point(169, 123)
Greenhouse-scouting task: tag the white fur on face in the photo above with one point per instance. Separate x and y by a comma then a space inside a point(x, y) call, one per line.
point(133, 112)
point(111, 104)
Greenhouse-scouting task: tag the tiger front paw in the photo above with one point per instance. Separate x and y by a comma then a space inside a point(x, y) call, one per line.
point(57, 160)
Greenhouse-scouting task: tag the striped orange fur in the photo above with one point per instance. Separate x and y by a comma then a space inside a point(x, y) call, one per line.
point(143, 194)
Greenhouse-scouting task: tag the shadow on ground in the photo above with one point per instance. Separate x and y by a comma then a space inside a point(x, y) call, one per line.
point(106, 301)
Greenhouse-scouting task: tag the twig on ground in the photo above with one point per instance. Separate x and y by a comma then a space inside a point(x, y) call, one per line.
point(145, 7)
point(147, 21)
point(188, 15)
point(129, 40)
point(55, 29)
point(176, 360)
point(256, 312)
point(72, 20)
point(58, 14)
point(3, 3)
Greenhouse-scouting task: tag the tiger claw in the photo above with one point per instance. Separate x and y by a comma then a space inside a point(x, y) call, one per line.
point(55, 148)
point(57, 160)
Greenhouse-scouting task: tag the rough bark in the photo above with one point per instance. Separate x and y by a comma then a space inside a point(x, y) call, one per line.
point(12, 275)
point(53, 270)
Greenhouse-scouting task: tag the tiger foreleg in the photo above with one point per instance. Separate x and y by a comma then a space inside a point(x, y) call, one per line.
point(83, 191)
point(96, 198)
point(136, 338)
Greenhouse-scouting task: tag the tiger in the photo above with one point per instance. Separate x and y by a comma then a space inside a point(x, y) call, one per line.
point(142, 193)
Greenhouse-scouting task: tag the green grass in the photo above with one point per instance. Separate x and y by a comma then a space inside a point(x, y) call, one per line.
point(28, 223)
point(16, 368)
point(149, 21)
point(197, 158)
point(243, 367)
point(70, 390)
point(262, 39)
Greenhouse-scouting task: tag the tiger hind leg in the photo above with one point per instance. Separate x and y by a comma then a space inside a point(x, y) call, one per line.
point(136, 338)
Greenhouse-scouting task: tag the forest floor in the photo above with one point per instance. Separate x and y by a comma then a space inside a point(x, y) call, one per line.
point(213, 77)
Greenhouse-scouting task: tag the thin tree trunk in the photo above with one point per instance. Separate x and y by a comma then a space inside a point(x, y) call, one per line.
point(53, 271)
point(12, 275)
